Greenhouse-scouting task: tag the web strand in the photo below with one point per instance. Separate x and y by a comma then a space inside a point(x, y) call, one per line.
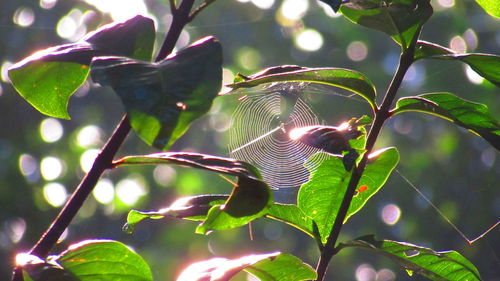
point(461, 233)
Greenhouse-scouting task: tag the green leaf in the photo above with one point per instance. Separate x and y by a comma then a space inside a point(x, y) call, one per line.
point(401, 19)
point(267, 267)
point(486, 65)
point(162, 99)
point(492, 7)
point(191, 208)
point(48, 78)
point(446, 265)
point(320, 198)
point(473, 116)
point(250, 198)
point(292, 215)
point(284, 267)
point(104, 260)
point(350, 80)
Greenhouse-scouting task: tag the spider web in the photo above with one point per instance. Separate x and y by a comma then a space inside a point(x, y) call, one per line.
point(259, 133)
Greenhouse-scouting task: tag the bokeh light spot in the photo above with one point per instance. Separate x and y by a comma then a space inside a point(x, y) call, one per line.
point(47, 4)
point(386, 275)
point(248, 58)
point(357, 51)
point(15, 229)
point(120, 10)
point(164, 175)
point(51, 130)
point(27, 164)
point(87, 159)
point(51, 168)
point(294, 9)
point(365, 272)
point(24, 16)
point(457, 44)
point(446, 3)
point(89, 136)
point(130, 190)
point(308, 40)
point(104, 191)
point(390, 214)
point(55, 194)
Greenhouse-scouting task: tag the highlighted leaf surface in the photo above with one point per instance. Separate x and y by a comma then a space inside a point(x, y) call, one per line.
point(442, 266)
point(473, 116)
point(48, 78)
point(162, 99)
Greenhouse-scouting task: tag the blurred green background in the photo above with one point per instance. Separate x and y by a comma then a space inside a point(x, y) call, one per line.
point(43, 159)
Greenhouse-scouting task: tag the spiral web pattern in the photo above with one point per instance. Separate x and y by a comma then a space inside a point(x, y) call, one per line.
point(259, 134)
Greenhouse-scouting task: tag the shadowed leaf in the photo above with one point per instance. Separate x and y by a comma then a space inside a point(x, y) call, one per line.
point(350, 80)
point(401, 19)
point(486, 65)
point(162, 99)
point(48, 78)
point(473, 116)
point(442, 266)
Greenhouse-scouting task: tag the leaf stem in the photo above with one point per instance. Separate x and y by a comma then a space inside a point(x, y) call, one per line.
point(382, 114)
point(104, 160)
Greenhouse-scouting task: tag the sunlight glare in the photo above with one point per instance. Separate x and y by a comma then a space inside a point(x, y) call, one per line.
point(120, 10)
point(297, 133)
point(4, 71)
point(473, 77)
point(25, 258)
point(294, 9)
point(309, 40)
point(130, 190)
point(51, 168)
point(89, 136)
point(87, 159)
point(55, 194)
point(390, 214)
point(24, 16)
point(104, 191)
point(51, 130)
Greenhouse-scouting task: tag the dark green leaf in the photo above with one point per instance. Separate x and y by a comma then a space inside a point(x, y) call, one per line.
point(267, 267)
point(48, 78)
point(162, 99)
point(249, 199)
point(292, 215)
point(320, 198)
point(191, 208)
point(104, 260)
point(486, 65)
point(284, 267)
point(446, 265)
point(350, 80)
point(401, 19)
point(492, 7)
point(473, 116)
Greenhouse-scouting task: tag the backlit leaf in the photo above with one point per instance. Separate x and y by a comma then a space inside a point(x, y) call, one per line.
point(486, 65)
point(49, 77)
point(492, 7)
point(442, 266)
point(292, 215)
point(104, 260)
point(162, 99)
point(401, 19)
point(473, 116)
point(250, 198)
point(350, 80)
point(320, 198)
point(267, 267)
